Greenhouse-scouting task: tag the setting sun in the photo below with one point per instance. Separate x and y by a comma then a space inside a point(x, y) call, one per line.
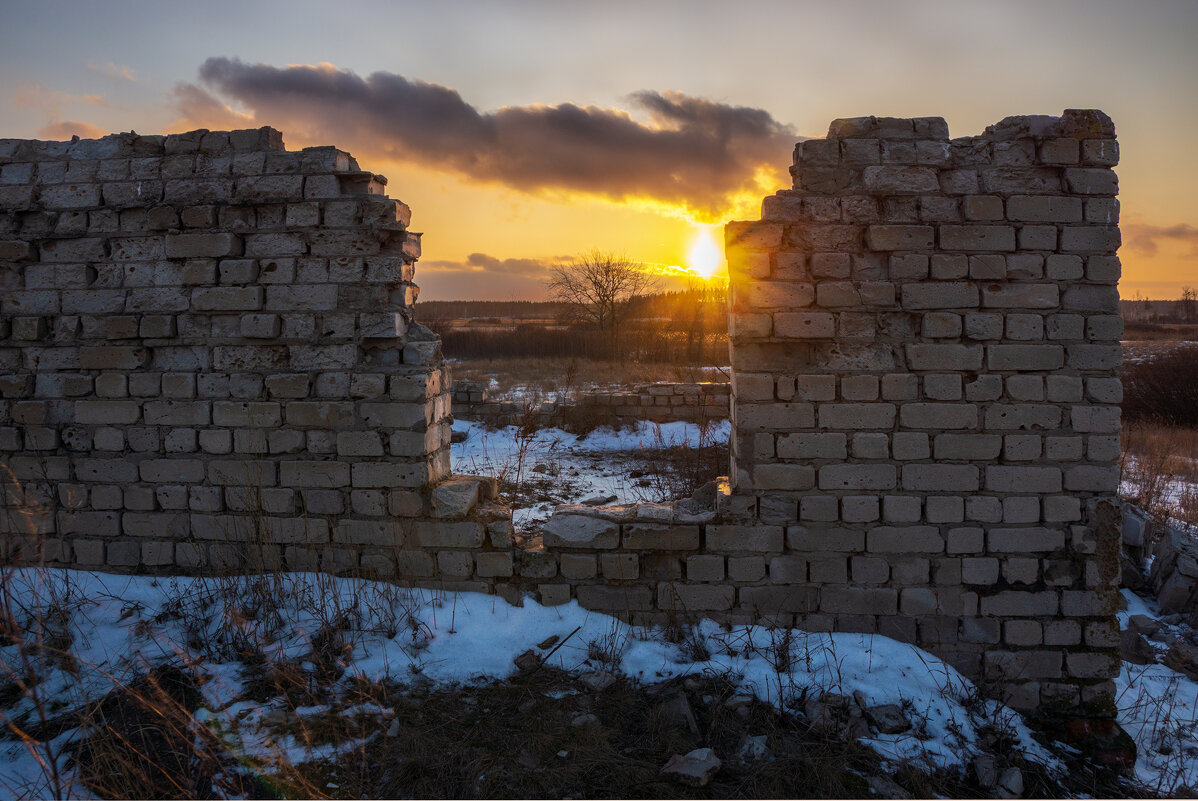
point(705, 256)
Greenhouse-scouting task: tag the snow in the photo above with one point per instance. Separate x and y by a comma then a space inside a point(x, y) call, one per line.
point(595, 464)
point(122, 625)
point(1158, 707)
point(120, 629)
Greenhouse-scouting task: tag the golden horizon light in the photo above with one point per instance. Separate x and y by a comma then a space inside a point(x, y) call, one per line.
point(705, 257)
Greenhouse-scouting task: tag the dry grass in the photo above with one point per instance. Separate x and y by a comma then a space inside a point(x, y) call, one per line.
point(1163, 387)
point(561, 375)
point(1160, 467)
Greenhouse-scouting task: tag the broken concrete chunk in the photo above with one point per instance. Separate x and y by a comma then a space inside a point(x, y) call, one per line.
point(527, 661)
point(694, 769)
point(577, 531)
point(455, 497)
point(887, 718)
point(754, 750)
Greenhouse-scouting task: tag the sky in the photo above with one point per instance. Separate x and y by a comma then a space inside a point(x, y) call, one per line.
point(524, 133)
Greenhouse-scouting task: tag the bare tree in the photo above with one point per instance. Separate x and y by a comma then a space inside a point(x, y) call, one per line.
point(599, 287)
point(1188, 305)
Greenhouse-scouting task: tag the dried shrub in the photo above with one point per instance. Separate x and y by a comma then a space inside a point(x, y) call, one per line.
point(1164, 388)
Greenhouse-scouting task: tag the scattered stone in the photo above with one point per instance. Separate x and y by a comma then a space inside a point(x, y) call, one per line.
point(832, 711)
point(1131, 576)
point(584, 720)
point(1135, 649)
point(393, 729)
point(694, 769)
point(459, 436)
point(754, 749)
point(676, 711)
point(887, 718)
point(527, 661)
point(1143, 624)
point(598, 500)
point(597, 681)
point(548, 642)
point(1182, 656)
point(277, 716)
point(985, 770)
point(455, 497)
point(1174, 574)
point(1010, 783)
point(885, 787)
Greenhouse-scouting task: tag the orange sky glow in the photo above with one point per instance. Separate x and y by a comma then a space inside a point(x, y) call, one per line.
point(523, 134)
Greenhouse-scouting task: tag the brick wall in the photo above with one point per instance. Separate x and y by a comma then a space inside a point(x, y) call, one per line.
point(205, 335)
point(207, 360)
point(925, 334)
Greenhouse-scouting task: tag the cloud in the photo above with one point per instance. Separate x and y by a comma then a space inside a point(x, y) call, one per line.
point(694, 154)
point(113, 71)
point(1146, 238)
point(202, 110)
point(477, 263)
point(482, 276)
point(65, 129)
point(35, 95)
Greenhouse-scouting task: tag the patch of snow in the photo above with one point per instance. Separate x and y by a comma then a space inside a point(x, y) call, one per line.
point(447, 638)
point(597, 463)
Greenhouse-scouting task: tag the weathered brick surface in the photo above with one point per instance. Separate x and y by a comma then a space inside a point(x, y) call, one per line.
point(924, 404)
point(959, 404)
point(224, 341)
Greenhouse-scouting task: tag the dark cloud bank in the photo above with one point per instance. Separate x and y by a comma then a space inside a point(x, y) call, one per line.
point(693, 152)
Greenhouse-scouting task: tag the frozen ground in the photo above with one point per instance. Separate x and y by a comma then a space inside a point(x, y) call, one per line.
point(1158, 707)
point(568, 468)
point(121, 625)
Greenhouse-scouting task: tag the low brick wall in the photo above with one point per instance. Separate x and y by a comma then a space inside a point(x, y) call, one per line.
point(660, 403)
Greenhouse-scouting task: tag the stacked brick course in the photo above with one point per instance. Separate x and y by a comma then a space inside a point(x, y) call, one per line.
point(925, 334)
point(205, 340)
point(207, 360)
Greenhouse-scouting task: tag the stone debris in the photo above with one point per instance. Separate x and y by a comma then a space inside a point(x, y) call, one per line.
point(695, 769)
point(1010, 783)
point(456, 497)
point(1182, 656)
point(1174, 574)
point(529, 660)
point(985, 770)
point(597, 680)
point(585, 720)
point(754, 750)
point(887, 719)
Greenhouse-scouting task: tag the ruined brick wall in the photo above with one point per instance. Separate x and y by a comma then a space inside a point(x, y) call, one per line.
point(207, 360)
point(925, 334)
point(206, 339)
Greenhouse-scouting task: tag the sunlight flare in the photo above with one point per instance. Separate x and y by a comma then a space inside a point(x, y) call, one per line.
point(705, 256)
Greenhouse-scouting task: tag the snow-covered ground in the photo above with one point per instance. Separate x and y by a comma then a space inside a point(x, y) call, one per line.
point(1158, 707)
point(121, 625)
point(597, 464)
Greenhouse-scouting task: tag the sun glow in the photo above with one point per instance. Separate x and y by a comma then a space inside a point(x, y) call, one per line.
point(705, 256)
